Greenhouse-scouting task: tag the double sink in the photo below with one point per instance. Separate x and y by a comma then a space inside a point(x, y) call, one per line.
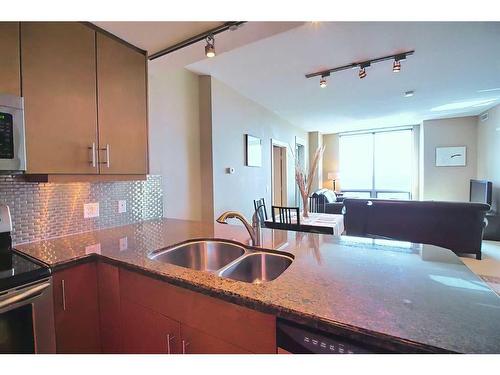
point(226, 259)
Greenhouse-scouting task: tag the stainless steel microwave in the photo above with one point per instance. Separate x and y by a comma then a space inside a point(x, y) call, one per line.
point(12, 142)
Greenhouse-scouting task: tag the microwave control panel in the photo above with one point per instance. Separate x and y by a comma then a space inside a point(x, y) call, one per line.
point(6, 136)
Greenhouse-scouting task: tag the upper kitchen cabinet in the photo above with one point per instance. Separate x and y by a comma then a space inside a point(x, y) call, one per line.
point(59, 88)
point(10, 75)
point(122, 108)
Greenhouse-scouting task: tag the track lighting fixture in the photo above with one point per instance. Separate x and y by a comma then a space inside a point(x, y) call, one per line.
point(210, 46)
point(362, 73)
point(396, 66)
point(322, 81)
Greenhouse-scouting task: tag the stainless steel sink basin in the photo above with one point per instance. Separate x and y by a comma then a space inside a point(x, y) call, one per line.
point(200, 255)
point(257, 267)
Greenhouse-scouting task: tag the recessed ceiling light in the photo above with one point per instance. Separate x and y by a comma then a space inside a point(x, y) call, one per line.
point(407, 94)
point(463, 105)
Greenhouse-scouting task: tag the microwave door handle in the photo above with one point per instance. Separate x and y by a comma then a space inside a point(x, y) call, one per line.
point(26, 295)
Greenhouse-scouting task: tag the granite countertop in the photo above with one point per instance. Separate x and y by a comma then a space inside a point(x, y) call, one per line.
point(421, 296)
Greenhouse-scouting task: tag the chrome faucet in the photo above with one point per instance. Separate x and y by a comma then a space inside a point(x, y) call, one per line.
point(253, 229)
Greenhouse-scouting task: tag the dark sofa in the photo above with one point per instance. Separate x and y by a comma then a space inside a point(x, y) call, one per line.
point(328, 201)
point(454, 225)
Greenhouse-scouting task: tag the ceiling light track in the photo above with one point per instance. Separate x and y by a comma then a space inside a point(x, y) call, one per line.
point(197, 38)
point(363, 65)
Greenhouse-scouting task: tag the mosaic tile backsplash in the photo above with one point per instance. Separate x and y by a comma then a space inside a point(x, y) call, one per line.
point(46, 210)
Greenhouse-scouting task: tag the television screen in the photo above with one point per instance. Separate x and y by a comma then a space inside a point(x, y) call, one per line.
point(480, 191)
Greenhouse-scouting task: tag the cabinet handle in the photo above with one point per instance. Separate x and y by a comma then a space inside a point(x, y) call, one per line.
point(93, 162)
point(108, 161)
point(63, 289)
point(185, 344)
point(169, 339)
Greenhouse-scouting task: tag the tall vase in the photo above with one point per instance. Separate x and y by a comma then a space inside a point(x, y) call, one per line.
point(305, 205)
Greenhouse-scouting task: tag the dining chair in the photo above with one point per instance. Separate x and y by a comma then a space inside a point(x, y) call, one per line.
point(316, 203)
point(286, 215)
point(260, 207)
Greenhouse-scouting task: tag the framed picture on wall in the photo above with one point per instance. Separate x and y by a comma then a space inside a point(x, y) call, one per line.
point(253, 151)
point(451, 156)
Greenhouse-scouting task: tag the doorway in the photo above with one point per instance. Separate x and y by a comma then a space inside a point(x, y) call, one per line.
point(279, 173)
point(300, 160)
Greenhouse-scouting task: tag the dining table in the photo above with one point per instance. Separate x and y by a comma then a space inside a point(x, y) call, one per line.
point(315, 223)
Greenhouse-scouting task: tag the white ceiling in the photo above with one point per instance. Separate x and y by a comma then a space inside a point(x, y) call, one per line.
point(155, 36)
point(452, 66)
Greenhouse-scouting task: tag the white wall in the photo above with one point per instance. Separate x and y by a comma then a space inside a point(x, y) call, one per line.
point(174, 139)
point(448, 183)
point(234, 115)
point(488, 160)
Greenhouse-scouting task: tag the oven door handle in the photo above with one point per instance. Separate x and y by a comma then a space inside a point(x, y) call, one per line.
point(30, 293)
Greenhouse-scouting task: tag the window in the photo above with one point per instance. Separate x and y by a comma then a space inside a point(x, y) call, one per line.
point(377, 164)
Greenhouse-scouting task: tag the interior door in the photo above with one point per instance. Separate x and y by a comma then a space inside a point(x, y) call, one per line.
point(59, 89)
point(10, 65)
point(279, 176)
point(121, 80)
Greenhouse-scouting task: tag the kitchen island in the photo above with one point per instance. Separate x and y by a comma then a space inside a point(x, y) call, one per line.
point(395, 296)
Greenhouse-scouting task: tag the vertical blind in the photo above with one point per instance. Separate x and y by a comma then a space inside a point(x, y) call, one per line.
point(377, 164)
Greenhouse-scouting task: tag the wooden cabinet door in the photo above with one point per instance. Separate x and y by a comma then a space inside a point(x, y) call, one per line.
point(122, 108)
point(59, 89)
point(195, 341)
point(109, 307)
point(147, 332)
point(76, 309)
point(10, 64)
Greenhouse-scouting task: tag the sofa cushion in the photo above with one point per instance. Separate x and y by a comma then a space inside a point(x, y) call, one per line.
point(329, 196)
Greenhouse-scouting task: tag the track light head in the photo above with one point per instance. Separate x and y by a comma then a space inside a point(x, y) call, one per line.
point(396, 66)
point(210, 46)
point(362, 69)
point(322, 81)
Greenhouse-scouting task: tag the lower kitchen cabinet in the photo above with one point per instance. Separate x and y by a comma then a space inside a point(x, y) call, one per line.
point(147, 332)
point(194, 341)
point(76, 309)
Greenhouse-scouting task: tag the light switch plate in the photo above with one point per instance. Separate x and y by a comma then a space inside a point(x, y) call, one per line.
point(122, 206)
point(90, 210)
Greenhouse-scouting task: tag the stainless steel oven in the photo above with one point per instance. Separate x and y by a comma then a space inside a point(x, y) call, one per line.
point(27, 319)
point(12, 142)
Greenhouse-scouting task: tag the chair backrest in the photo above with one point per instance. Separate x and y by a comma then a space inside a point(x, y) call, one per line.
point(316, 204)
point(260, 206)
point(286, 215)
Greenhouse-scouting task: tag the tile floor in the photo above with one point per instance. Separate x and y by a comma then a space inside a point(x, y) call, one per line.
point(489, 267)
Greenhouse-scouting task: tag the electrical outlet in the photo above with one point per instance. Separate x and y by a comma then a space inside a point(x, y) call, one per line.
point(90, 210)
point(122, 207)
point(123, 243)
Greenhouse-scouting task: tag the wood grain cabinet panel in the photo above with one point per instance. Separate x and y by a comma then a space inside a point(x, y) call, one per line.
point(109, 307)
point(76, 309)
point(122, 108)
point(148, 332)
point(195, 341)
point(233, 324)
point(59, 88)
point(10, 64)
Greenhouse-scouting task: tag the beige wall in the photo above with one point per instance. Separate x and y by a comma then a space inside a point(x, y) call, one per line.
point(174, 139)
point(331, 160)
point(315, 141)
point(448, 183)
point(488, 161)
point(234, 115)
